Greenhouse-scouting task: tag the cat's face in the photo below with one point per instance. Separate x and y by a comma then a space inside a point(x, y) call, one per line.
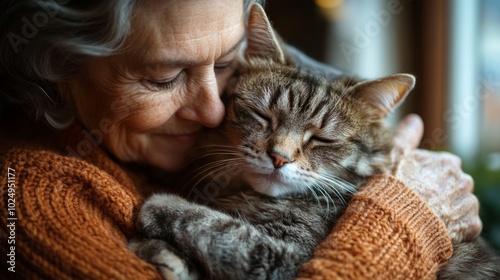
point(295, 131)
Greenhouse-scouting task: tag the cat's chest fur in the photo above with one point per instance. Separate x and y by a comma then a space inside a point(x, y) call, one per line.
point(285, 217)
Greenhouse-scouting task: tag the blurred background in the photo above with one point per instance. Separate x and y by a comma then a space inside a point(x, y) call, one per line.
point(451, 46)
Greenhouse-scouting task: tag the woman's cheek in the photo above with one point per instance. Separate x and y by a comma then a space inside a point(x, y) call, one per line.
point(145, 119)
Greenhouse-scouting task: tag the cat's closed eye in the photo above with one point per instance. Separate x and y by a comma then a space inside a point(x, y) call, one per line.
point(321, 140)
point(312, 139)
point(315, 138)
point(263, 119)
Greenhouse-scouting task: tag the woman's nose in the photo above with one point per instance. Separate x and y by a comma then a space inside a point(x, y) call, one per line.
point(205, 105)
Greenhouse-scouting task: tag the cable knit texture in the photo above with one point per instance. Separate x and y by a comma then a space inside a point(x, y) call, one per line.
point(75, 213)
point(387, 232)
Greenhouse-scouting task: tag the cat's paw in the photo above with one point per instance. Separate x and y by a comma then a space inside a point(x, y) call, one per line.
point(160, 254)
point(171, 267)
point(158, 213)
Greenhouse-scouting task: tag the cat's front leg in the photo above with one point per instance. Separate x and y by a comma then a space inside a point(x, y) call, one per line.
point(162, 255)
point(170, 217)
point(222, 246)
point(177, 233)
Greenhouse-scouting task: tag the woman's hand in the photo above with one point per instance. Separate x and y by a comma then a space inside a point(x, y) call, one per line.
point(438, 180)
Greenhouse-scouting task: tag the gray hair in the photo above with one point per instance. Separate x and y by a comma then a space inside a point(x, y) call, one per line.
point(45, 42)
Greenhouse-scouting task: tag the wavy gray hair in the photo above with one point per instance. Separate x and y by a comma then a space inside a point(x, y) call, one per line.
point(45, 42)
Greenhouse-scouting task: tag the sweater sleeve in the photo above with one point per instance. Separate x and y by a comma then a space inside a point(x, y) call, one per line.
point(387, 232)
point(72, 220)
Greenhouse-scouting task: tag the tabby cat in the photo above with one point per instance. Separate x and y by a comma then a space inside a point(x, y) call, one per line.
point(298, 148)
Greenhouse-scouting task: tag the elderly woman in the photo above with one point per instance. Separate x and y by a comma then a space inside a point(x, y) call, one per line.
point(116, 89)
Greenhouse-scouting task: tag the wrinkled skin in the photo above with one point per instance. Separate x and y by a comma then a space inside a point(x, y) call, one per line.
point(439, 181)
point(151, 101)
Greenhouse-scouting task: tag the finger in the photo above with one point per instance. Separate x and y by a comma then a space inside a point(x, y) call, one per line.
point(476, 225)
point(409, 133)
point(453, 159)
point(475, 230)
point(468, 182)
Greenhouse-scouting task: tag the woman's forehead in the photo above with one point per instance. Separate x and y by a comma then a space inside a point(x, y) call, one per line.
point(184, 31)
point(186, 20)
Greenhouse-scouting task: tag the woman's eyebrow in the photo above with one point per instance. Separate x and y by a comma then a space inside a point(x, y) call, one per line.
point(235, 47)
point(188, 63)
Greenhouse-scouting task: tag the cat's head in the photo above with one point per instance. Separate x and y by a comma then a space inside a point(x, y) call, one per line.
point(295, 131)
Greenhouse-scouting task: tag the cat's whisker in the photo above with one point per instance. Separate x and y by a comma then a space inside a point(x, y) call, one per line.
point(208, 168)
point(216, 161)
point(343, 184)
point(229, 147)
point(218, 149)
point(209, 171)
point(326, 195)
point(332, 185)
point(221, 171)
point(317, 187)
point(212, 152)
point(217, 153)
point(313, 192)
point(213, 147)
point(204, 171)
point(327, 188)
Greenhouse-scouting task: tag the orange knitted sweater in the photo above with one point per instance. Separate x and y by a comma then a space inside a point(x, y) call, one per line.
point(74, 210)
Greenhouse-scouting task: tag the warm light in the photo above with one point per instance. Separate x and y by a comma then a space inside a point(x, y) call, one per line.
point(328, 4)
point(331, 10)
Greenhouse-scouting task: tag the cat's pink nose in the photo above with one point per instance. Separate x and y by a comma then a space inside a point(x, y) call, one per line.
point(279, 160)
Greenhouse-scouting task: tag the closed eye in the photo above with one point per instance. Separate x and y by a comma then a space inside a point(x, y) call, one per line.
point(323, 140)
point(222, 67)
point(262, 118)
point(163, 85)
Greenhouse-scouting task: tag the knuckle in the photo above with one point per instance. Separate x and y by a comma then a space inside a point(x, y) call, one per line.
point(474, 230)
point(466, 182)
point(470, 206)
point(418, 154)
point(467, 178)
point(451, 159)
point(475, 203)
point(456, 160)
point(479, 226)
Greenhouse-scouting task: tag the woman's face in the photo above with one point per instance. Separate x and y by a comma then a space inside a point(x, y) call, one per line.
point(151, 101)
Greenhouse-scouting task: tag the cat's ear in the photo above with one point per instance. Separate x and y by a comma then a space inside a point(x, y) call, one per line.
point(261, 40)
point(385, 94)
